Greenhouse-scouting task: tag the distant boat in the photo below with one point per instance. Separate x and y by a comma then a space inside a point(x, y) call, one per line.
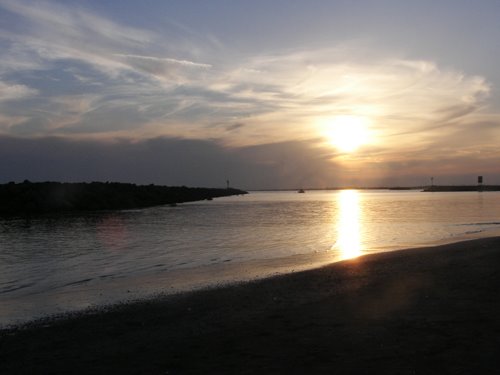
point(301, 191)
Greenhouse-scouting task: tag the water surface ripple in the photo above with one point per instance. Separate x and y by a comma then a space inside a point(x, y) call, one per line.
point(54, 263)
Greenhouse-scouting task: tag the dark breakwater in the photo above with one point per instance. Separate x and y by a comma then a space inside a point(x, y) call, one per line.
point(45, 197)
point(438, 188)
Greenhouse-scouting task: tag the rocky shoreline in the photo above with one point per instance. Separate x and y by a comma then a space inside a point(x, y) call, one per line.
point(49, 197)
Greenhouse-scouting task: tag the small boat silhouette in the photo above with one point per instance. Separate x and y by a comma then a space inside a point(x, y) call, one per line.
point(301, 191)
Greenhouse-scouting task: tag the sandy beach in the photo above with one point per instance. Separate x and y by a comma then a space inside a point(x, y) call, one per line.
point(430, 310)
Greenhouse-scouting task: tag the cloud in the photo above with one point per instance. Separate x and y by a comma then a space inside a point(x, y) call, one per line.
point(169, 161)
point(168, 71)
point(15, 91)
point(298, 89)
point(56, 32)
point(234, 126)
point(174, 161)
point(64, 23)
point(167, 60)
point(67, 71)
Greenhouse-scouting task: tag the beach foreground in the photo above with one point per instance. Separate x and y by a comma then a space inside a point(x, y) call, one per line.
point(423, 311)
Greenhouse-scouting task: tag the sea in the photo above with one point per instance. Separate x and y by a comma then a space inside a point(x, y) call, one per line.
point(58, 264)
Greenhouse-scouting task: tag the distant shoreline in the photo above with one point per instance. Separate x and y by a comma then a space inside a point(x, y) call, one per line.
point(49, 197)
point(434, 188)
point(425, 310)
point(451, 188)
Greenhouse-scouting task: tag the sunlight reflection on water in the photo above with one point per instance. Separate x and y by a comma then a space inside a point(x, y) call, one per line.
point(348, 225)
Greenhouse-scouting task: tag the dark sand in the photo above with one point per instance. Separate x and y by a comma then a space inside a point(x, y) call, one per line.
point(423, 311)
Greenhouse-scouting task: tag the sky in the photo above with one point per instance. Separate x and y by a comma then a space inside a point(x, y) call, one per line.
point(268, 94)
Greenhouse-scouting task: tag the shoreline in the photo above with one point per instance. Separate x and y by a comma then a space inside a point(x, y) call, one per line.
point(93, 298)
point(159, 286)
point(427, 309)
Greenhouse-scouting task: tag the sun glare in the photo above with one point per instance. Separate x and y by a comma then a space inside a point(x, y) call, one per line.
point(347, 133)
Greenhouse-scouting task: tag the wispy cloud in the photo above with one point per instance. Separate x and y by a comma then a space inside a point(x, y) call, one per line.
point(55, 32)
point(15, 91)
point(167, 61)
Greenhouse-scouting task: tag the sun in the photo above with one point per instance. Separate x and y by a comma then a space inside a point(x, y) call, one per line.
point(347, 133)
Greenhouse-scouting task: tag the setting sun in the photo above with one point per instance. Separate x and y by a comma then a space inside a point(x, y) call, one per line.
point(347, 133)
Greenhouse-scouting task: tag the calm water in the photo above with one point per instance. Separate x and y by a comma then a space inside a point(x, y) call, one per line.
point(53, 264)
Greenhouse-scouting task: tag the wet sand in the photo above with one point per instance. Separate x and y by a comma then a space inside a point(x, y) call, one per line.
point(430, 310)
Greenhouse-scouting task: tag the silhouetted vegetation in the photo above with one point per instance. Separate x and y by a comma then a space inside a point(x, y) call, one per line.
point(46, 197)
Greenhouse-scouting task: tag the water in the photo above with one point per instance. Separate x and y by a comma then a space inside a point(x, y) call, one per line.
point(56, 263)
